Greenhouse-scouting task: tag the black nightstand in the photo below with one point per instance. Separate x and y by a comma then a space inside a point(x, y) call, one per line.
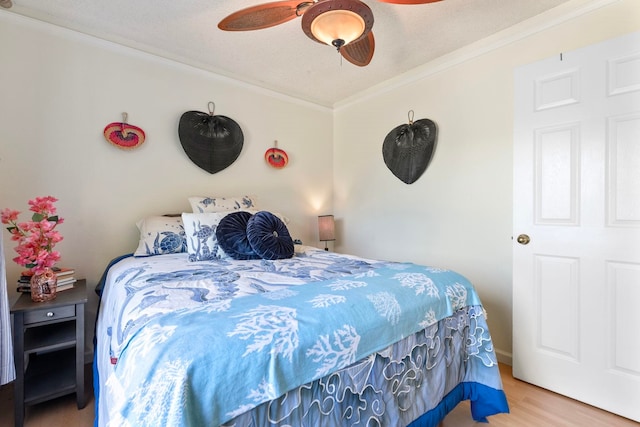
point(48, 345)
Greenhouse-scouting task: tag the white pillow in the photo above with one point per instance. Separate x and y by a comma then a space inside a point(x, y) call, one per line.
point(200, 234)
point(202, 204)
point(160, 235)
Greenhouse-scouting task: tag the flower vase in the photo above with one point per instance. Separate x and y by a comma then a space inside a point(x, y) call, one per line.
point(44, 286)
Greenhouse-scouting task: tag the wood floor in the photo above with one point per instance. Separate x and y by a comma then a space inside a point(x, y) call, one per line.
point(530, 407)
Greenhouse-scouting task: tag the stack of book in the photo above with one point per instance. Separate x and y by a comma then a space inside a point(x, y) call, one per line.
point(65, 276)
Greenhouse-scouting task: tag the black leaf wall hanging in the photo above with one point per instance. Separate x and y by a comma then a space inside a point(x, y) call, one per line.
point(407, 150)
point(212, 142)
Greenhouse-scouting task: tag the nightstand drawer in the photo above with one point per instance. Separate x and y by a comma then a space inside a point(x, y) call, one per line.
point(48, 314)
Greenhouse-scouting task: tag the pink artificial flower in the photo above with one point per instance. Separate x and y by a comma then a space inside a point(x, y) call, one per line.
point(43, 205)
point(25, 227)
point(9, 215)
point(37, 237)
point(46, 225)
point(41, 257)
point(55, 236)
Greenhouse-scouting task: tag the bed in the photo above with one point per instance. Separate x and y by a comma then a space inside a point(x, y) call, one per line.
point(318, 338)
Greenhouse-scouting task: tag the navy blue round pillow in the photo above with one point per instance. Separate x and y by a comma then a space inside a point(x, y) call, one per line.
point(232, 236)
point(269, 237)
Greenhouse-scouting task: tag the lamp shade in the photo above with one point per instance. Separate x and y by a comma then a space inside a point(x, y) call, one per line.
point(337, 23)
point(326, 228)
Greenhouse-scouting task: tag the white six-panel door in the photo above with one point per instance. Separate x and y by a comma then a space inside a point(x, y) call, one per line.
point(576, 290)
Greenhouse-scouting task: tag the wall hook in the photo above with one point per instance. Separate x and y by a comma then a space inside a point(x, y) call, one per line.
point(124, 131)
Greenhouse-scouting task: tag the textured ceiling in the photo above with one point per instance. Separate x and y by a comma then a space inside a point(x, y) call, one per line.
point(282, 58)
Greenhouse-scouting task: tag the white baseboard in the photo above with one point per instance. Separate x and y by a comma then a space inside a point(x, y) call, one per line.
point(504, 357)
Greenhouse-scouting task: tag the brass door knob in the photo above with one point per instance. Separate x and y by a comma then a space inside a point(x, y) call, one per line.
point(523, 239)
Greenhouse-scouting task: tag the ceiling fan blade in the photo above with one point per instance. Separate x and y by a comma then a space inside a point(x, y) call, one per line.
point(264, 15)
point(409, 1)
point(360, 52)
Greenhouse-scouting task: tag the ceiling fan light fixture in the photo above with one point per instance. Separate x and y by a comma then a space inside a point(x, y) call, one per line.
point(335, 25)
point(337, 22)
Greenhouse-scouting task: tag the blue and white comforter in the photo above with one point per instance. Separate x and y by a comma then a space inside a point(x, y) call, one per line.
point(202, 343)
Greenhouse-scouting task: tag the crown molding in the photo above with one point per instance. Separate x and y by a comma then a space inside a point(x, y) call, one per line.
point(542, 22)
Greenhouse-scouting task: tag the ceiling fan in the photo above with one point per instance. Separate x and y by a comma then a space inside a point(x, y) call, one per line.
point(344, 24)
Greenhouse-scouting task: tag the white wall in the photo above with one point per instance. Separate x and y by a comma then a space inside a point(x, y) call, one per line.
point(58, 91)
point(459, 213)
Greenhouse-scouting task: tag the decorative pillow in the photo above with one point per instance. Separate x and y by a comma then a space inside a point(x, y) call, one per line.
point(269, 236)
point(201, 204)
point(278, 214)
point(160, 235)
point(232, 236)
point(200, 233)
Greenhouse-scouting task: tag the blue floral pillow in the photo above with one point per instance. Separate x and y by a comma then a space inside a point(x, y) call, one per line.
point(160, 235)
point(200, 234)
point(200, 204)
point(269, 236)
point(232, 236)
